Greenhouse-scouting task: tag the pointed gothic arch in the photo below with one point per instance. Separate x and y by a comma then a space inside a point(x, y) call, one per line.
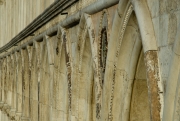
point(33, 84)
point(86, 70)
point(103, 38)
point(61, 84)
point(122, 61)
point(44, 82)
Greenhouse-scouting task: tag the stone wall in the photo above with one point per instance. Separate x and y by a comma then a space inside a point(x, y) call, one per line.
point(17, 14)
point(89, 63)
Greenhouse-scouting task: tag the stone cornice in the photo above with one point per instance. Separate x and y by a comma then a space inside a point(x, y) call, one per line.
point(66, 23)
point(53, 10)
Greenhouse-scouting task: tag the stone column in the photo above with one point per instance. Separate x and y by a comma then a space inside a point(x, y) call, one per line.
point(6, 84)
point(34, 83)
point(25, 84)
point(2, 84)
point(19, 85)
point(50, 55)
point(14, 73)
point(1, 68)
point(1, 79)
point(9, 84)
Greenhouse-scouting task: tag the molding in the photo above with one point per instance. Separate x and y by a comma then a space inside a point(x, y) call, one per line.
point(53, 10)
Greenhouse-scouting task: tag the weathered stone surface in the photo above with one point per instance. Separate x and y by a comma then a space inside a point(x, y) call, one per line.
point(93, 68)
point(152, 67)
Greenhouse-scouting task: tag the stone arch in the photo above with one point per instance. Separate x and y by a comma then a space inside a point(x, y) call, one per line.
point(34, 97)
point(103, 37)
point(44, 84)
point(61, 85)
point(122, 61)
point(86, 65)
point(102, 45)
point(145, 25)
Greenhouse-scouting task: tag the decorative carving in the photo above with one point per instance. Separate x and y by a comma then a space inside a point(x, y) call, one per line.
point(129, 11)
